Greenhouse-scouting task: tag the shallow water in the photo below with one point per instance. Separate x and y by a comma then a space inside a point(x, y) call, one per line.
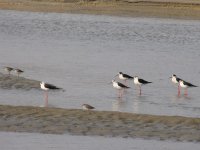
point(82, 53)
point(19, 141)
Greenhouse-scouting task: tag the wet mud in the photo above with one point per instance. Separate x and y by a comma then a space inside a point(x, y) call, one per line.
point(15, 82)
point(181, 9)
point(98, 123)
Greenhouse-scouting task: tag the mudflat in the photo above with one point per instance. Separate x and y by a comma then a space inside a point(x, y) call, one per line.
point(14, 82)
point(101, 123)
point(180, 9)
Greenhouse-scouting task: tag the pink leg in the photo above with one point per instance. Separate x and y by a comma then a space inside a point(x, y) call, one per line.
point(125, 83)
point(179, 90)
point(186, 93)
point(46, 99)
point(119, 93)
point(123, 90)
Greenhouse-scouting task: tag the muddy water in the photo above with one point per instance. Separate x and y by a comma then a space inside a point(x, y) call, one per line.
point(82, 53)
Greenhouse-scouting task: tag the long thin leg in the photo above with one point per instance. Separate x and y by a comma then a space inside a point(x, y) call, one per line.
point(179, 90)
point(140, 90)
point(122, 92)
point(125, 82)
point(46, 99)
point(8, 73)
point(186, 93)
point(118, 93)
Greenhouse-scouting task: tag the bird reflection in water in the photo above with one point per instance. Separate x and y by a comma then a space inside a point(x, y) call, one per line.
point(118, 104)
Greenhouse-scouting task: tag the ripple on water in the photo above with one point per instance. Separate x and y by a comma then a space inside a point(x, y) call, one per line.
point(82, 53)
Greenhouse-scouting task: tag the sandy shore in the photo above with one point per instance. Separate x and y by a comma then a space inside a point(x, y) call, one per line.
point(181, 9)
point(102, 123)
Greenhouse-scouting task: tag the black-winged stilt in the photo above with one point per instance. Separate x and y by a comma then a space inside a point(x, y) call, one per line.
point(46, 87)
point(176, 80)
point(18, 71)
point(87, 107)
point(119, 86)
point(139, 82)
point(8, 69)
point(186, 85)
point(124, 76)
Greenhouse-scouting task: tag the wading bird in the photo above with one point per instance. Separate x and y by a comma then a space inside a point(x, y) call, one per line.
point(186, 85)
point(119, 86)
point(18, 71)
point(139, 82)
point(8, 69)
point(124, 76)
point(46, 87)
point(176, 80)
point(87, 107)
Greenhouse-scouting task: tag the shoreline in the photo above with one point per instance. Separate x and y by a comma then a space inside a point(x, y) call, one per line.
point(15, 82)
point(92, 123)
point(98, 123)
point(178, 9)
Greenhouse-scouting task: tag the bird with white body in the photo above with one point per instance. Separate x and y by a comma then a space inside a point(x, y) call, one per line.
point(186, 85)
point(119, 86)
point(18, 71)
point(176, 80)
point(46, 87)
point(139, 82)
point(8, 69)
point(124, 76)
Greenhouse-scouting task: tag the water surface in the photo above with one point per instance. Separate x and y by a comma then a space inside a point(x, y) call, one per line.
point(82, 53)
point(32, 141)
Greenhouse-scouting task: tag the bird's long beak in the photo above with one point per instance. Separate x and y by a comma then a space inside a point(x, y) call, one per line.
point(109, 82)
point(115, 76)
point(170, 77)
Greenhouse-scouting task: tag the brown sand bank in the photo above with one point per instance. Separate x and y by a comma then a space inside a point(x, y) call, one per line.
point(181, 9)
point(9, 82)
point(103, 123)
